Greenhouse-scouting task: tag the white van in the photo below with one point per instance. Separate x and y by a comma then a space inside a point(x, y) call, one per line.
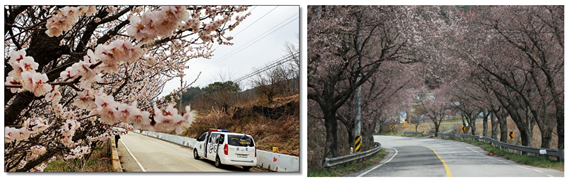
point(226, 148)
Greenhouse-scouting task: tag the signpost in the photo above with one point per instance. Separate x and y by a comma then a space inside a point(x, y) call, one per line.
point(463, 128)
point(510, 135)
point(392, 128)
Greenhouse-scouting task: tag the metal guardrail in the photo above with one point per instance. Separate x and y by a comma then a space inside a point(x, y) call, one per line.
point(559, 153)
point(330, 162)
point(447, 134)
point(412, 133)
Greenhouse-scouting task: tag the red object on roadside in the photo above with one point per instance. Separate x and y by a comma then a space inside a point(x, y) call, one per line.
point(490, 154)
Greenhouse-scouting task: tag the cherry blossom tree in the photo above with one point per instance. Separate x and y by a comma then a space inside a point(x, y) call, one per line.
point(386, 88)
point(521, 48)
point(437, 106)
point(73, 73)
point(346, 46)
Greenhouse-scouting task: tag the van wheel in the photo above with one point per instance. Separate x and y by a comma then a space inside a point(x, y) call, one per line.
point(196, 155)
point(218, 162)
point(246, 168)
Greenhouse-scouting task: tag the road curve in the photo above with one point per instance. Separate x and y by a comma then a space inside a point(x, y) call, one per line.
point(139, 153)
point(424, 157)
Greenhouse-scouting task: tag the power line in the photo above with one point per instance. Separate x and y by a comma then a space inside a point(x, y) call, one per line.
point(246, 27)
point(255, 20)
point(271, 65)
point(255, 41)
point(235, 51)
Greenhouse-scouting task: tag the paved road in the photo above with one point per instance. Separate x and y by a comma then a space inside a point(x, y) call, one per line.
point(147, 154)
point(424, 157)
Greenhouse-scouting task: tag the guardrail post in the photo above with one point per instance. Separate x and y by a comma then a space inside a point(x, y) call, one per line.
point(560, 154)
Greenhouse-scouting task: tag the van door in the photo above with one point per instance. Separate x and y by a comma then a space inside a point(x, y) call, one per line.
point(241, 148)
point(200, 144)
point(212, 146)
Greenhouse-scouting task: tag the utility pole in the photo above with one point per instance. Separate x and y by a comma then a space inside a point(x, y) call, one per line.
point(358, 96)
point(358, 117)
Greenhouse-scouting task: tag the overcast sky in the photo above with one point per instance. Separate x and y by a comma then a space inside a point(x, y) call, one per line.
point(246, 53)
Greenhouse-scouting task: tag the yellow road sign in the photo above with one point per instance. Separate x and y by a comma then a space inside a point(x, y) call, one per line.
point(463, 128)
point(510, 135)
point(392, 127)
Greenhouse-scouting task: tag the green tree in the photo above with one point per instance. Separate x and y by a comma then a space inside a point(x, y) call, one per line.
point(222, 95)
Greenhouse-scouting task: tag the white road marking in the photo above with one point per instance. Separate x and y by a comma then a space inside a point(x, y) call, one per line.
point(513, 164)
point(364, 173)
point(139, 165)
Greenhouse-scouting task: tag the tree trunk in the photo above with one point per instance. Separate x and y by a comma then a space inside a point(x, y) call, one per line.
point(526, 138)
point(437, 124)
point(560, 131)
point(485, 123)
point(351, 136)
point(331, 124)
point(471, 119)
point(465, 124)
point(416, 126)
point(494, 124)
point(546, 129)
point(546, 138)
point(502, 120)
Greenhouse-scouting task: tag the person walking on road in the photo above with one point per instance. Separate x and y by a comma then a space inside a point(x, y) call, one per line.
point(117, 137)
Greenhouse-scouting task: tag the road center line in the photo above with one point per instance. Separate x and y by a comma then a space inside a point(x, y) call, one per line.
point(139, 165)
point(443, 161)
point(174, 155)
point(364, 173)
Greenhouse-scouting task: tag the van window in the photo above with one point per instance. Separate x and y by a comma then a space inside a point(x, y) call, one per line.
point(202, 138)
point(213, 138)
point(240, 140)
point(220, 138)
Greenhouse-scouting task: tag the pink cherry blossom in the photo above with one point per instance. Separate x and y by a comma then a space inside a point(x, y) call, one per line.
point(84, 99)
point(83, 104)
point(10, 134)
point(28, 64)
point(35, 83)
point(38, 149)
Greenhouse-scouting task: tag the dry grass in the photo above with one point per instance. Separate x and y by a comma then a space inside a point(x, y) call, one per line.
point(283, 133)
point(454, 126)
point(98, 162)
point(262, 101)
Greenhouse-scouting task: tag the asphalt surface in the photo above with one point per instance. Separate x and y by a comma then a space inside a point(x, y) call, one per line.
point(424, 157)
point(139, 153)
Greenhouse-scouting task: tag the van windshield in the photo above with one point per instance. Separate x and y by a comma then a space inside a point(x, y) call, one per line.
point(240, 140)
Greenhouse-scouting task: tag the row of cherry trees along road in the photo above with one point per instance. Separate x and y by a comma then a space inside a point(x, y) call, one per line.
point(73, 73)
point(502, 61)
point(514, 68)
